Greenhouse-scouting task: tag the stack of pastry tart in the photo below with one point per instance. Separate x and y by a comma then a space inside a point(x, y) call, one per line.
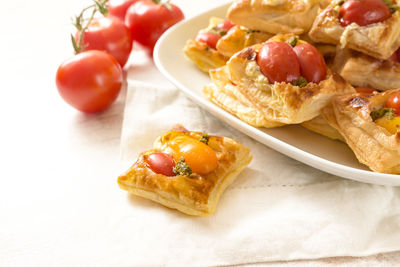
point(330, 66)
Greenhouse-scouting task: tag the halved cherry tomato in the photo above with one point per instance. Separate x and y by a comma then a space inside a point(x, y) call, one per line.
point(394, 102)
point(363, 12)
point(118, 8)
point(312, 63)
point(161, 163)
point(225, 25)
point(278, 62)
point(209, 38)
point(365, 90)
point(199, 156)
point(109, 35)
point(90, 81)
point(147, 20)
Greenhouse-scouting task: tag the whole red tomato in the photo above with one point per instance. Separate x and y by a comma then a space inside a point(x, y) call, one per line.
point(363, 12)
point(209, 38)
point(90, 81)
point(312, 63)
point(109, 35)
point(161, 163)
point(118, 8)
point(278, 62)
point(147, 20)
point(394, 102)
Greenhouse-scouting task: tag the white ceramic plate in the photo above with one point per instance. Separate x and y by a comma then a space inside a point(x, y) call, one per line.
point(294, 141)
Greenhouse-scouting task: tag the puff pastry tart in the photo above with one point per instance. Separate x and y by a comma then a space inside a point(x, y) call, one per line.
point(369, 26)
point(370, 127)
point(365, 71)
point(187, 171)
point(275, 16)
point(280, 83)
point(320, 126)
point(214, 45)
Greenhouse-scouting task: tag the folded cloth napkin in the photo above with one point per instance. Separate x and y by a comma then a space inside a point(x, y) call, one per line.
point(278, 208)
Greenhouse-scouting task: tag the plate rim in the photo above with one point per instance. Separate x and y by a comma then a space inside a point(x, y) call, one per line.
point(258, 135)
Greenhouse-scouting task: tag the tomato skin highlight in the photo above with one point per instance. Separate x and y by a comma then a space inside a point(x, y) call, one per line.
point(278, 62)
point(363, 12)
point(312, 63)
point(199, 156)
point(211, 39)
point(118, 8)
point(394, 102)
point(225, 25)
point(161, 163)
point(89, 81)
point(109, 35)
point(147, 21)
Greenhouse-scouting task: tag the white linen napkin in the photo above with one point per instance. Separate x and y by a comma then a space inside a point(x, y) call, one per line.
point(278, 208)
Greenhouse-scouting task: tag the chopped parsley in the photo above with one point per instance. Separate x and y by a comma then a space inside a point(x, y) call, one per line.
point(379, 113)
point(301, 82)
point(391, 5)
point(292, 41)
point(205, 138)
point(182, 168)
point(219, 31)
point(249, 31)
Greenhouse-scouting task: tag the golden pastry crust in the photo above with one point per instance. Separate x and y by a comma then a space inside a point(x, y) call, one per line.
point(364, 71)
point(203, 56)
point(379, 40)
point(275, 16)
point(237, 38)
point(196, 195)
point(373, 145)
point(320, 126)
point(282, 102)
point(226, 95)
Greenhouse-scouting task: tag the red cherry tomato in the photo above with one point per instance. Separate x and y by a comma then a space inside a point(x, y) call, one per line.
point(118, 8)
point(278, 62)
point(148, 20)
point(209, 38)
point(363, 12)
point(225, 25)
point(90, 81)
point(199, 156)
point(312, 63)
point(394, 102)
point(161, 163)
point(109, 35)
point(365, 90)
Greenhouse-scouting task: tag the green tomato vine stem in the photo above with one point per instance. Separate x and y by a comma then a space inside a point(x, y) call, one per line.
point(81, 23)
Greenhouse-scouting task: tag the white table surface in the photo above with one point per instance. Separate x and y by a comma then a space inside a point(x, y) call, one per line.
point(53, 157)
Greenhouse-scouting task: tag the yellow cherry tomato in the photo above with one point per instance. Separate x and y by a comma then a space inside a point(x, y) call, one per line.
point(392, 125)
point(199, 156)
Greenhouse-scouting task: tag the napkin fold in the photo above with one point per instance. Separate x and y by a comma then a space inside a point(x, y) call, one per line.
point(278, 208)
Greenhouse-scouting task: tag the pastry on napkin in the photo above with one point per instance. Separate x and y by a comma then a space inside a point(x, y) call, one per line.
point(277, 209)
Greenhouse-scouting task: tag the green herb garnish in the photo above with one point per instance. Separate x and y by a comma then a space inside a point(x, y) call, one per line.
point(301, 82)
point(205, 138)
point(391, 5)
point(292, 41)
point(249, 31)
point(218, 31)
point(182, 168)
point(341, 2)
point(379, 113)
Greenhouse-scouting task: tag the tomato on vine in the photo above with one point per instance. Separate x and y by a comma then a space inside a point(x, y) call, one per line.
point(91, 80)
point(149, 19)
